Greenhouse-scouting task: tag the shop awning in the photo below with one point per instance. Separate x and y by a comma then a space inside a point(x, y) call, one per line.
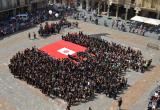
point(146, 20)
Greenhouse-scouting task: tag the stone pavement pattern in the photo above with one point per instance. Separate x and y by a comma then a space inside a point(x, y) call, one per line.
point(17, 95)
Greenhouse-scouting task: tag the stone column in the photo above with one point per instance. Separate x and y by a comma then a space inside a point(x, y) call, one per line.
point(14, 12)
point(98, 8)
point(117, 10)
point(108, 10)
point(126, 15)
point(158, 14)
point(75, 3)
point(91, 5)
point(81, 4)
point(127, 8)
point(30, 7)
point(104, 6)
point(87, 5)
point(54, 2)
point(63, 2)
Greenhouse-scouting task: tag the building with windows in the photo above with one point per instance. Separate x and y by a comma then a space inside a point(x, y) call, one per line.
point(9, 8)
point(149, 8)
point(65, 2)
point(121, 8)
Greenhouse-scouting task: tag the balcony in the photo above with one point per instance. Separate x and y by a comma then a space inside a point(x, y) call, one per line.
point(36, 1)
point(118, 1)
point(9, 5)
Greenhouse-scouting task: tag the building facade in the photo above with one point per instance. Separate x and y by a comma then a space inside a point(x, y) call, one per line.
point(149, 8)
point(64, 2)
point(121, 8)
point(10, 8)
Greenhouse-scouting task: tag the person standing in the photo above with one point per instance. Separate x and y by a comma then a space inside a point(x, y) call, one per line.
point(158, 37)
point(68, 107)
point(85, 18)
point(34, 35)
point(29, 35)
point(119, 103)
point(90, 108)
point(58, 28)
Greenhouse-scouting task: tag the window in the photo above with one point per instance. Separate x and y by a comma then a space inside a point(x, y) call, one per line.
point(132, 1)
point(26, 2)
point(18, 3)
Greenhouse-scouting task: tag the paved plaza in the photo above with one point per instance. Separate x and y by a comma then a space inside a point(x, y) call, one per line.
point(18, 95)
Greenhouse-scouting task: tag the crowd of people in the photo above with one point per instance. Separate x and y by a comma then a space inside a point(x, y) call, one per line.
point(154, 103)
point(56, 27)
point(49, 29)
point(134, 27)
point(119, 55)
point(100, 69)
point(120, 25)
point(139, 28)
point(82, 15)
point(16, 24)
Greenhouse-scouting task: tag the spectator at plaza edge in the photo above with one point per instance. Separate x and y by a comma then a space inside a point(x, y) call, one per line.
point(29, 35)
point(68, 107)
point(119, 103)
point(34, 35)
point(154, 103)
point(158, 37)
point(90, 108)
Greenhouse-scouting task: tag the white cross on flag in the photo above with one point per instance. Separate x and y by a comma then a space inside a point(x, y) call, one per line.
point(61, 49)
point(66, 51)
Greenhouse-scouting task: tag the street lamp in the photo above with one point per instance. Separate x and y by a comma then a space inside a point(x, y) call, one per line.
point(137, 10)
point(56, 15)
point(50, 12)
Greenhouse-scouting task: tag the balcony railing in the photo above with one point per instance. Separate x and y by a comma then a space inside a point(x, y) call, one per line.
point(11, 6)
point(118, 1)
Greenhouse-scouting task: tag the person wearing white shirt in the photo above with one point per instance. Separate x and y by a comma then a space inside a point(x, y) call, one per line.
point(156, 94)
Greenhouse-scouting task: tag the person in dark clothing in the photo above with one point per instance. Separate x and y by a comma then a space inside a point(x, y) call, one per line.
point(68, 107)
point(78, 77)
point(149, 63)
point(96, 21)
point(119, 103)
point(58, 29)
point(34, 35)
point(158, 37)
point(90, 108)
point(29, 35)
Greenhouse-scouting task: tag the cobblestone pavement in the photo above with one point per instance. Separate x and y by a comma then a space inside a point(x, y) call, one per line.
point(17, 95)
